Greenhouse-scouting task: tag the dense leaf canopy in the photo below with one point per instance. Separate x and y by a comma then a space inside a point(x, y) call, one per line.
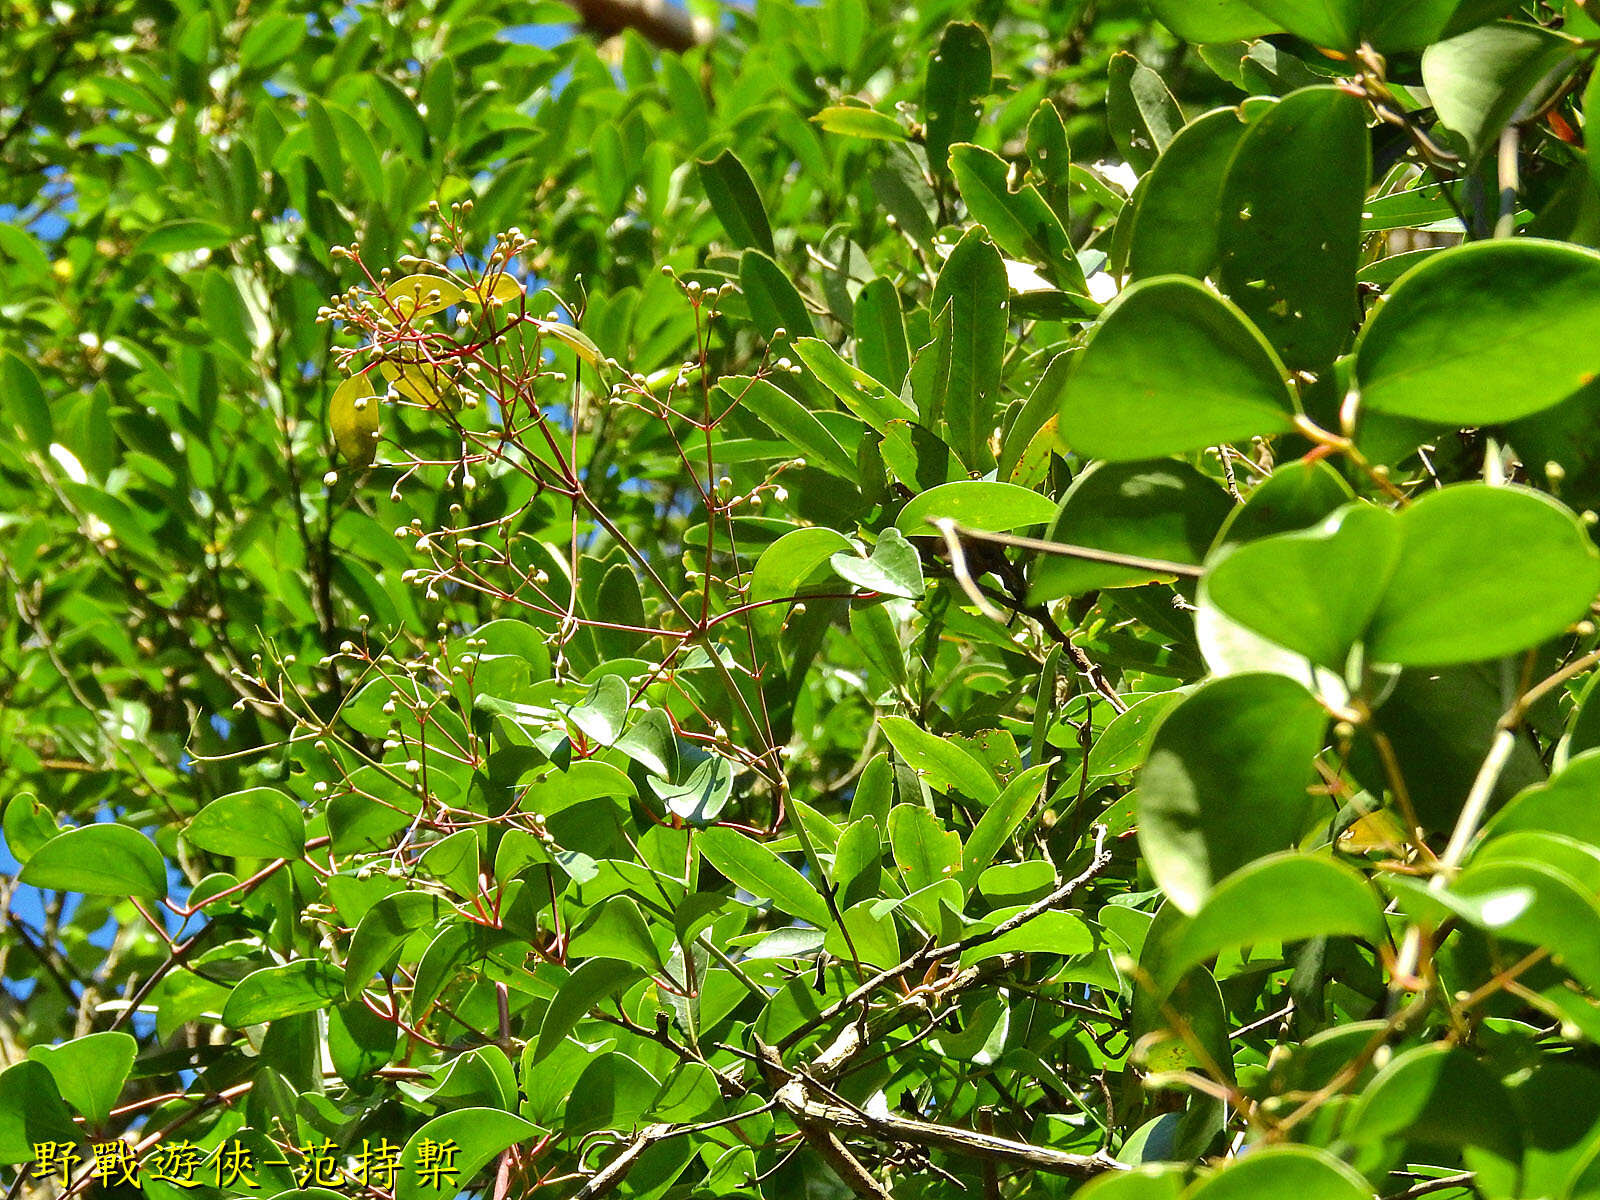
point(835, 599)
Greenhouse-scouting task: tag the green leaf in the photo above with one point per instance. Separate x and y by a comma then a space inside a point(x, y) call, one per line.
point(1313, 591)
point(1335, 24)
point(90, 1072)
point(854, 120)
point(304, 985)
point(29, 824)
point(959, 76)
point(1204, 21)
point(1290, 236)
point(759, 871)
point(182, 237)
point(861, 393)
point(594, 980)
point(1164, 511)
point(1426, 587)
point(1483, 572)
point(894, 568)
point(1297, 495)
point(1172, 367)
point(1147, 1182)
point(1020, 222)
point(1539, 906)
point(736, 201)
point(791, 420)
point(1177, 217)
point(1225, 782)
point(874, 630)
point(1488, 77)
point(1484, 333)
point(1051, 932)
point(775, 302)
point(398, 112)
point(477, 1135)
point(1000, 820)
point(1303, 1172)
point(924, 850)
point(703, 795)
point(1563, 804)
point(973, 283)
point(1030, 440)
point(880, 331)
point(256, 823)
point(31, 1111)
point(975, 504)
point(1141, 111)
point(383, 930)
point(98, 860)
point(1285, 897)
point(616, 929)
point(1051, 155)
point(353, 420)
point(24, 403)
point(787, 565)
point(946, 765)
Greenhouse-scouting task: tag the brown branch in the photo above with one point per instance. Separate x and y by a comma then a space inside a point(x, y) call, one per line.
point(812, 1112)
point(664, 24)
point(792, 1093)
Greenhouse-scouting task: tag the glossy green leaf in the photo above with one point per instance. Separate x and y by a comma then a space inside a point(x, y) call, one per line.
point(89, 1071)
point(1176, 219)
point(477, 1135)
point(23, 401)
point(1290, 236)
point(853, 120)
point(1225, 781)
point(958, 79)
point(1312, 591)
point(1000, 820)
point(973, 284)
point(1142, 113)
point(593, 981)
point(256, 823)
point(1490, 76)
point(893, 567)
point(616, 929)
point(1303, 1172)
point(1163, 511)
point(756, 869)
point(1285, 897)
point(1538, 905)
point(1482, 572)
point(31, 1112)
point(1485, 333)
point(945, 764)
point(1171, 368)
point(736, 201)
point(1019, 220)
point(791, 420)
point(860, 392)
point(775, 302)
point(98, 860)
point(881, 347)
point(975, 504)
point(383, 930)
point(304, 985)
point(1203, 21)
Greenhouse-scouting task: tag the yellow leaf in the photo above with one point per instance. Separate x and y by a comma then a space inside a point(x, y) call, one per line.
point(505, 290)
point(573, 338)
point(420, 382)
point(353, 417)
point(422, 295)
